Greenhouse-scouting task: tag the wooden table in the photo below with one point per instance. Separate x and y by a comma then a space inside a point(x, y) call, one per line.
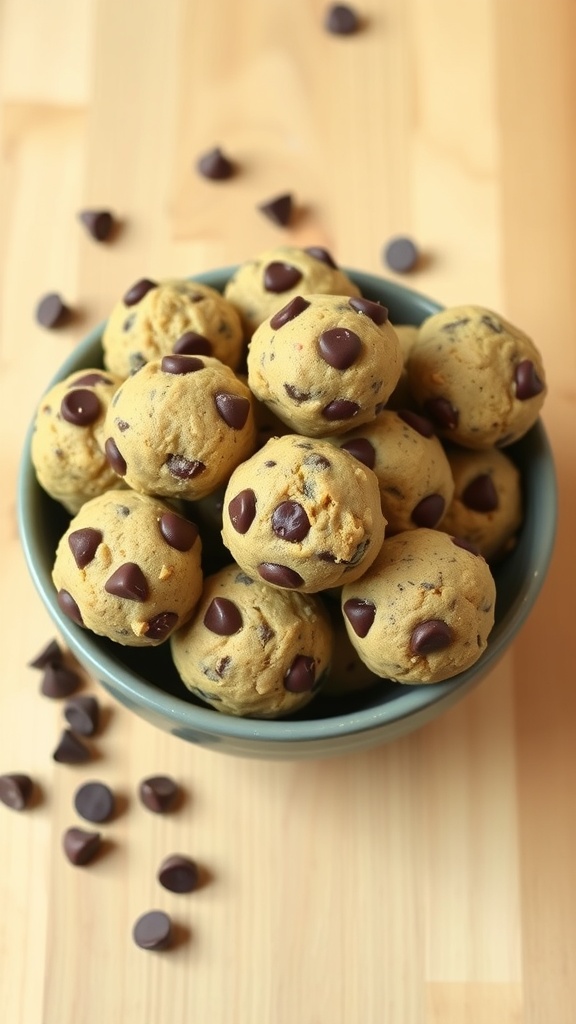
point(432, 881)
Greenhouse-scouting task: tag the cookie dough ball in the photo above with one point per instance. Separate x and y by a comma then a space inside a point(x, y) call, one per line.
point(155, 319)
point(179, 426)
point(325, 363)
point(128, 567)
point(401, 397)
point(303, 515)
point(477, 376)
point(411, 466)
point(251, 649)
point(487, 506)
point(261, 286)
point(68, 440)
point(423, 611)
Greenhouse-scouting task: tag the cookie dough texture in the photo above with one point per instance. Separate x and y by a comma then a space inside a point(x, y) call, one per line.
point(487, 506)
point(253, 650)
point(303, 515)
point(477, 376)
point(68, 439)
point(423, 611)
point(175, 315)
point(128, 567)
point(179, 426)
point(261, 286)
point(325, 363)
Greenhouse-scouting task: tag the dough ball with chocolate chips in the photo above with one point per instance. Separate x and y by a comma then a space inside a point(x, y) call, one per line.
point(128, 567)
point(325, 363)
point(68, 440)
point(486, 509)
point(261, 286)
point(179, 426)
point(423, 611)
point(479, 378)
point(155, 319)
point(251, 649)
point(303, 515)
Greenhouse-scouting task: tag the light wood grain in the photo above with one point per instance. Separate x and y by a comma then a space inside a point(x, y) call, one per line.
point(432, 881)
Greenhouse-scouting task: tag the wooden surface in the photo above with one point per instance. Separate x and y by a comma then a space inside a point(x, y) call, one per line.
point(432, 881)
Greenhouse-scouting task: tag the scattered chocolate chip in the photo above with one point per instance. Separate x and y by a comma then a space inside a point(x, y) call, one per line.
point(193, 344)
point(480, 494)
point(89, 380)
point(362, 449)
point(401, 255)
point(128, 582)
point(70, 749)
point(316, 461)
point(419, 423)
point(528, 383)
point(94, 801)
point(491, 323)
point(52, 312)
point(183, 468)
point(178, 873)
point(289, 312)
point(158, 793)
point(161, 625)
point(442, 412)
point(80, 407)
point(290, 522)
point(138, 290)
point(84, 544)
point(122, 425)
point(179, 533)
point(377, 313)
point(279, 209)
point(68, 605)
point(301, 675)
point(463, 542)
point(360, 615)
point(281, 277)
point(116, 460)
point(51, 654)
point(339, 347)
point(215, 165)
point(153, 930)
point(429, 511)
point(59, 681)
point(340, 409)
point(181, 363)
point(233, 409)
point(341, 20)
point(83, 714)
point(80, 846)
point(280, 575)
point(242, 510)
point(98, 223)
point(431, 635)
point(15, 790)
point(223, 617)
point(319, 253)
point(296, 395)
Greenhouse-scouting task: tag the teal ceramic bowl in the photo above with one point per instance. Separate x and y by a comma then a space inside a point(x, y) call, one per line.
point(146, 682)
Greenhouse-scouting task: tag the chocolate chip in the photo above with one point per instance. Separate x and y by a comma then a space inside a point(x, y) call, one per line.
point(281, 277)
point(233, 409)
point(377, 313)
point(98, 223)
point(68, 605)
point(80, 846)
point(417, 422)
point(80, 407)
point(360, 615)
point(128, 582)
point(341, 20)
point(158, 793)
point(528, 383)
point(278, 210)
point(83, 714)
point(215, 165)
point(59, 681)
point(179, 533)
point(70, 749)
point(84, 544)
point(319, 253)
point(51, 654)
point(183, 468)
point(178, 873)
point(288, 312)
point(315, 461)
point(161, 625)
point(401, 255)
point(153, 930)
point(463, 542)
point(339, 347)
point(242, 510)
point(301, 675)
point(52, 312)
point(340, 409)
point(94, 801)
point(15, 790)
point(192, 344)
point(181, 363)
point(138, 290)
point(442, 412)
point(116, 460)
point(280, 575)
point(89, 380)
point(431, 635)
point(290, 522)
point(429, 511)
point(362, 449)
point(480, 494)
point(223, 617)
point(296, 395)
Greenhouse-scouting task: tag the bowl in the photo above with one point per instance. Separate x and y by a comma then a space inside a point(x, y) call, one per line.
point(145, 680)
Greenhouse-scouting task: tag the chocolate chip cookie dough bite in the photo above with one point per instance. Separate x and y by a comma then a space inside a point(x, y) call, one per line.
point(261, 286)
point(325, 363)
point(479, 378)
point(423, 611)
point(253, 650)
point(155, 319)
point(302, 515)
point(128, 567)
point(67, 447)
point(179, 426)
